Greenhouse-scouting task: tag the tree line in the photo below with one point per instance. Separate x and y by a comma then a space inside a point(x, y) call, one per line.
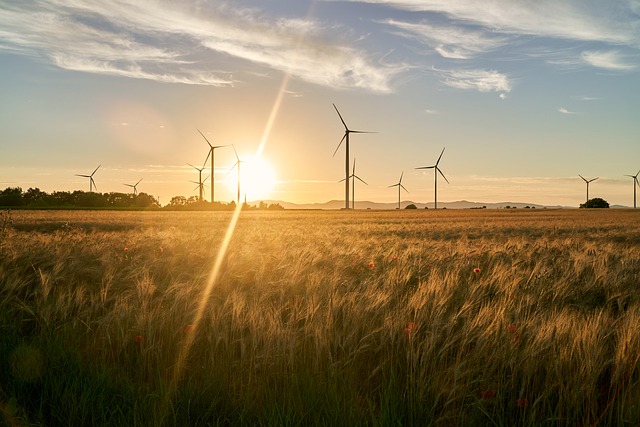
point(15, 197)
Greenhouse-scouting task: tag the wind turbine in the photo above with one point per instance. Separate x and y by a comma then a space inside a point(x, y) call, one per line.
point(587, 181)
point(211, 153)
point(347, 131)
point(200, 174)
point(436, 170)
point(399, 185)
point(92, 183)
point(238, 164)
point(635, 182)
point(134, 186)
point(353, 177)
point(200, 186)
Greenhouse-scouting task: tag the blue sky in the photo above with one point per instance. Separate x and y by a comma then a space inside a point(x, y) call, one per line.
point(524, 95)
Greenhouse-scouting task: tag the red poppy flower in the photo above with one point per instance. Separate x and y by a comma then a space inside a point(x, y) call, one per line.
point(160, 249)
point(476, 270)
point(125, 249)
point(512, 329)
point(487, 394)
point(522, 402)
point(371, 264)
point(138, 339)
point(394, 258)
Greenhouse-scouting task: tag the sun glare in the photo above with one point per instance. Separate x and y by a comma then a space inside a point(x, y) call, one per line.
point(257, 181)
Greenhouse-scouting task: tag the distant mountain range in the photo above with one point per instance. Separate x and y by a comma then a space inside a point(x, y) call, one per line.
point(461, 204)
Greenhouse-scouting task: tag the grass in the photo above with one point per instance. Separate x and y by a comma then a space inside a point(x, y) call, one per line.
point(321, 318)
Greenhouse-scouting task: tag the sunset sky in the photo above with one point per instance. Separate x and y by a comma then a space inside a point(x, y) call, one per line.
point(524, 95)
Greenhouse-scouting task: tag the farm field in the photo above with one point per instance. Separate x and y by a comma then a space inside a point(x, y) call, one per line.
point(475, 317)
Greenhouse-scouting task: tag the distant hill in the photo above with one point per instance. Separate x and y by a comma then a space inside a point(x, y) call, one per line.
point(461, 204)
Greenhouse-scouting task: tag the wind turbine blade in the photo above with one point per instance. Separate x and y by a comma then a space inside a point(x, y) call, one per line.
point(96, 170)
point(594, 179)
point(236, 153)
point(402, 186)
point(354, 167)
point(401, 175)
point(438, 161)
point(341, 119)
point(139, 181)
point(426, 167)
point(204, 164)
point(193, 166)
point(205, 138)
point(361, 131)
point(94, 183)
point(358, 178)
point(637, 174)
point(445, 178)
point(233, 167)
point(339, 144)
point(342, 179)
point(205, 178)
point(129, 185)
point(583, 178)
point(84, 176)
point(394, 185)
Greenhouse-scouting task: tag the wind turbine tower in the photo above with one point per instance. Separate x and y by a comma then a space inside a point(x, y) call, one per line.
point(345, 138)
point(211, 152)
point(134, 186)
point(353, 177)
point(92, 183)
point(436, 170)
point(399, 185)
point(200, 174)
point(587, 181)
point(635, 182)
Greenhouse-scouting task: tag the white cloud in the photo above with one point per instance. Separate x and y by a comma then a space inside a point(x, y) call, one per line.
point(609, 60)
point(455, 42)
point(612, 21)
point(480, 80)
point(565, 111)
point(183, 42)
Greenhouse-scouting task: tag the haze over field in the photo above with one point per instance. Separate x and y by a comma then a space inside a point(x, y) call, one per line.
point(524, 96)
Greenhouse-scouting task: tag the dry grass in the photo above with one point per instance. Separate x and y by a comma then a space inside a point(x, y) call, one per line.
point(323, 318)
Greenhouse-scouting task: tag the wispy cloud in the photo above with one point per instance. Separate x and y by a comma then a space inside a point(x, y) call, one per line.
point(565, 111)
point(610, 22)
point(185, 42)
point(480, 80)
point(609, 60)
point(454, 42)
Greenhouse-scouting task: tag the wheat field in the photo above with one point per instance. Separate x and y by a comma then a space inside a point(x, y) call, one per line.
point(476, 317)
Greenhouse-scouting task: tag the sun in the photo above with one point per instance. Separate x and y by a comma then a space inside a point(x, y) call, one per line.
point(258, 179)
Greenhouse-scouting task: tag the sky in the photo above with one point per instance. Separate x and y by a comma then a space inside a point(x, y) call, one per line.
point(523, 95)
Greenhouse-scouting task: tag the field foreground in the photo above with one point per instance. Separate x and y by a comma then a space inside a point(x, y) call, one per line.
point(526, 317)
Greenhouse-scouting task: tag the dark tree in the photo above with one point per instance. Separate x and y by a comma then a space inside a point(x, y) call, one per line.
point(11, 197)
point(596, 202)
point(411, 206)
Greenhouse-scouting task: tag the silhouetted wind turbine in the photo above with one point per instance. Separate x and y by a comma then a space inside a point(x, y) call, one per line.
point(238, 164)
point(435, 173)
point(92, 183)
point(635, 182)
point(399, 185)
point(587, 181)
point(353, 177)
point(201, 186)
point(347, 131)
point(211, 153)
point(200, 173)
point(134, 186)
